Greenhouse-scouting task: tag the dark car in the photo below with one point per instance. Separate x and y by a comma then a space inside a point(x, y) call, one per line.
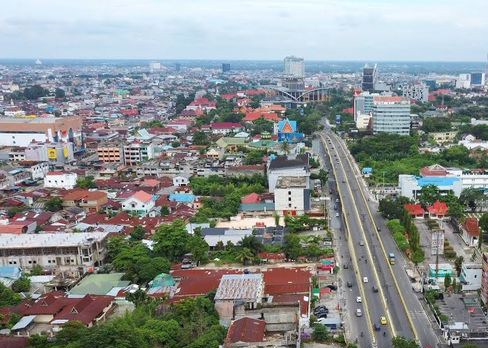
point(321, 309)
point(346, 266)
point(375, 289)
point(377, 327)
point(349, 284)
point(320, 315)
point(332, 287)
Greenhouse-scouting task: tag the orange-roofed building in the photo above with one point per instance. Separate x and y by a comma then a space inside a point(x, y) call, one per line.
point(90, 201)
point(415, 210)
point(254, 116)
point(438, 210)
point(471, 232)
point(139, 203)
point(251, 198)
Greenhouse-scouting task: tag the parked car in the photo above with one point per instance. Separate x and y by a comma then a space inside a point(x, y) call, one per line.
point(332, 287)
point(320, 308)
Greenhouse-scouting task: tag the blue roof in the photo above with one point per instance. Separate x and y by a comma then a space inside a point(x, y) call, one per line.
point(292, 123)
point(182, 197)
point(11, 272)
point(436, 181)
point(367, 170)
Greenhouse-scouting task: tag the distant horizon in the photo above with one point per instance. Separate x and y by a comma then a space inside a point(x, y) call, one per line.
point(255, 60)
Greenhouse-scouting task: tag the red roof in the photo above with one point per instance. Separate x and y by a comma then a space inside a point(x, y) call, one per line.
point(253, 116)
point(13, 342)
point(142, 196)
point(433, 170)
point(414, 209)
point(471, 226)
point(246, 330)
point(271, 256)
point(438, 208)
point(85, 309)
point(286, 280)
point(251, 198)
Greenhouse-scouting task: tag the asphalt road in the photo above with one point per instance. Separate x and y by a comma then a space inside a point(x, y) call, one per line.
point(372, 261)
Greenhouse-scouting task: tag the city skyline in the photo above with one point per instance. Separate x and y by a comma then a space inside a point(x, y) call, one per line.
point(373, 30)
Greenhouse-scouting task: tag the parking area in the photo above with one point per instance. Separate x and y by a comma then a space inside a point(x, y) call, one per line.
point(464, 309)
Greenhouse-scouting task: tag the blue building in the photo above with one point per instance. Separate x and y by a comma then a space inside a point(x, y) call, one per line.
point(287, 131)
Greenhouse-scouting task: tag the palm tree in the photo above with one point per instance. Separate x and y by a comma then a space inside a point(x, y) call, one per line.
point(244, 255)
point(285, 147)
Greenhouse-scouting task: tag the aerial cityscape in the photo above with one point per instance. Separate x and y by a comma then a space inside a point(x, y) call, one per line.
point(264, 189)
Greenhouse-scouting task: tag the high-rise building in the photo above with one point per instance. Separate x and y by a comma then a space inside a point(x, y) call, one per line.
point(294, 67)
point(477, 79)
point(463, 81)
point(391, 115)
point(416, 91)
point(225, 67)
point(369, 77)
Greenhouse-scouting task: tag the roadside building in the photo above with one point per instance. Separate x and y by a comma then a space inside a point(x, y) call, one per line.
point(139, 203)
point(391, 115)
point(292, 195)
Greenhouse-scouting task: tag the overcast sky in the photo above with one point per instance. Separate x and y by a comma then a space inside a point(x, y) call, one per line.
point(447, 30)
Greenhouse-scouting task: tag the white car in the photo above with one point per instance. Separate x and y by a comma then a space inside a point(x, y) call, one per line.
point(365, 279)
point(359, 313)
point(358, 299)
point(337, 215)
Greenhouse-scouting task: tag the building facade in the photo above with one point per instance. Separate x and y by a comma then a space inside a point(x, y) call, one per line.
point(138, 152)
point(369, 77)
point(294, 66)
point(391, 115)
point(61, 251)
point(110, 153)
point(292, 195)
point(60, 180)
point(22, 131)
point(416, 91)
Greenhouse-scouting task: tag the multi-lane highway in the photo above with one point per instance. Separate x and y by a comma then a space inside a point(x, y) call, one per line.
point(388, 291)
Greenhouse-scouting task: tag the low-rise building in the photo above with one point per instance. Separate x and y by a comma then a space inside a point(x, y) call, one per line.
point(470, 276)
point(470, 232)
point(139, 203)
point(90, 201)
point(137, 152)
point(73, 252)
point(292, 196)
point(60, 180)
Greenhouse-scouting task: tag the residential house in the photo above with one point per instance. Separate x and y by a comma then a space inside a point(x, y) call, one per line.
point(181, 180)
point(245, 332)
point(90, 201)
point(438, 210)
point(224, 128)
point(18, 227)
point(139, 203)
point(414, 210)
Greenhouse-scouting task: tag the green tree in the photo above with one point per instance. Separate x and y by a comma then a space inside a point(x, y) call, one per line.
point(418, 256)
point(428, 195)
point(171, 240)
point(22, 284)
point(138, 233)
point(164, 211)
point(244, 255)
point(402, 342)
point(54, 204)
point(38, 341)
point(138, 297)
point(483, 223)
point(86, 182)
point(251, 243)
point(320, 333)
point(458, 264)
point(59, 93)
point(71, 332)
point(36, 270)
point(198, 247)
point(200, 138)
point(472, 198)
point(8, 297)
point(285, 147)
point(447, 281)
point(292, 246)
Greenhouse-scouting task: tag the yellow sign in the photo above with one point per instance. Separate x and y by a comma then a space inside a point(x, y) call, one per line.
point(51, 153)
point(65, 151)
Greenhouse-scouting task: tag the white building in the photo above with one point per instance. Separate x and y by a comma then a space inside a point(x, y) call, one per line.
point(281, 166)
point(60, 180)
point(470, 277)
point(38, 170)
point(292, 195)
point(417, 91)
point(437, 242)
point(463, 81)
point(57, 251)
point(391, 115)
point(363, 121)
point(139, 203)
point(180, 181)
point(22, 131)
point(294, 67)
point(410, 185)
point(137, 152)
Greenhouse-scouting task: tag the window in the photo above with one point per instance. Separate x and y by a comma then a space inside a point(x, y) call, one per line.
point(289, 192)
point(289, 205)
point(289, 199)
